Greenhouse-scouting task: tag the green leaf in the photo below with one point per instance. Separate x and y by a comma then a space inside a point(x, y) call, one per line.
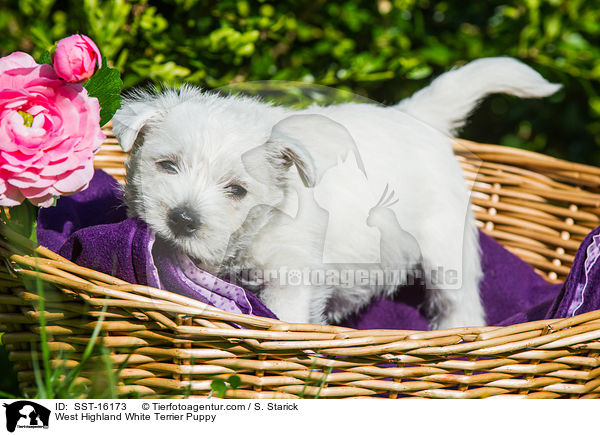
point(235, 381)
point(594, 103)
point(23, 219)
point(106, 85)
point(419, 72)
point(45, 58)
point(219, 387)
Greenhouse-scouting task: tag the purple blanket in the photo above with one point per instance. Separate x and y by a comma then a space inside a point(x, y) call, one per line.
point(91, 228)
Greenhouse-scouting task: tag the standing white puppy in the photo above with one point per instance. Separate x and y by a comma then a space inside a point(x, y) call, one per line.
point(236, 183)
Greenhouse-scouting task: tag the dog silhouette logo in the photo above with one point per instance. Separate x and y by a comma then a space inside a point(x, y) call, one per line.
point(26, 414)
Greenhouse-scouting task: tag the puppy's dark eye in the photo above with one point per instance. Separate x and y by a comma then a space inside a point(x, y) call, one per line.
point(236, 191)
point(168, 166)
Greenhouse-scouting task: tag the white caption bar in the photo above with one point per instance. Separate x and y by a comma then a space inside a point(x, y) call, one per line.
point(364, 416)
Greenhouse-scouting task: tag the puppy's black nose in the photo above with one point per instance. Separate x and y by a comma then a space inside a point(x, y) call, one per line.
point(183, 221)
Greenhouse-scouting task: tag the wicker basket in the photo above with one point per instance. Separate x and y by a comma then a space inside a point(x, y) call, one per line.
point(539, 207)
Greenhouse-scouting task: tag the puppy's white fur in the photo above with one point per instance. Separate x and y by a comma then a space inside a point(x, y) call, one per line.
point(304, 208)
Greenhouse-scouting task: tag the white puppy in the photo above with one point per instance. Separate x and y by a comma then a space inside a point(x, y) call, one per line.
point(310, 196)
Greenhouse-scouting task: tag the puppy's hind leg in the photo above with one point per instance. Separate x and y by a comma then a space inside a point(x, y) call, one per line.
point(457, 307)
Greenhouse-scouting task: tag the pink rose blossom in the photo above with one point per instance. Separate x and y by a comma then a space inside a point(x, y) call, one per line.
point(49, 132)
point(76, 58)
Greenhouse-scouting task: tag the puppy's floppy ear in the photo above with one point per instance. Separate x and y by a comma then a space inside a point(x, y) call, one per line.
point(313, 143)
point(130, 119)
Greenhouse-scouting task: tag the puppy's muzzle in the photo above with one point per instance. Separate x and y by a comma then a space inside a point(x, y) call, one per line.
point(183, 222)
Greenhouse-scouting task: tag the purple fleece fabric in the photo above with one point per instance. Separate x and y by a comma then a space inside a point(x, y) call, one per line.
point(511, 291)
point(581, 291)
point(91, 228)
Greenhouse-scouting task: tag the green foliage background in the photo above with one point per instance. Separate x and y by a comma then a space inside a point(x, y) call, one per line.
point(382, 49)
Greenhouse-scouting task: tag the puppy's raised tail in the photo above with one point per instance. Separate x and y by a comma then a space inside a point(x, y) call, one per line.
point(447, 102)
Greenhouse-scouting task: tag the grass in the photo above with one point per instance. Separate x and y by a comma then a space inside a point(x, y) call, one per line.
point(57, 381)
point(318, 383)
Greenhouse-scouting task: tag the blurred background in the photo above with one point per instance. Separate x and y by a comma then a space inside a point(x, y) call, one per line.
point(380, 49)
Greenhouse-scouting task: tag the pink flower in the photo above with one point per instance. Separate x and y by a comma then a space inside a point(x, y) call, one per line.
point(76, 58)
point(49, 132)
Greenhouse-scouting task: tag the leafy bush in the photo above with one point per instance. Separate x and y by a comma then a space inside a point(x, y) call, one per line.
point(384, 49)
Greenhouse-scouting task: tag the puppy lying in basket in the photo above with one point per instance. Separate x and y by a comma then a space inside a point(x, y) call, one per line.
point(289, 202)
